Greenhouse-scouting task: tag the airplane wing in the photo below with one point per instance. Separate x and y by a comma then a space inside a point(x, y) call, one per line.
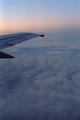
point(12, 39)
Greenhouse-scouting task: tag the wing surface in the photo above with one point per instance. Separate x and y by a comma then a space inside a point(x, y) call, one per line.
point(12, 39)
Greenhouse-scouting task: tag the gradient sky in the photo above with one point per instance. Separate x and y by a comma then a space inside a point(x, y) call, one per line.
point(38, 15)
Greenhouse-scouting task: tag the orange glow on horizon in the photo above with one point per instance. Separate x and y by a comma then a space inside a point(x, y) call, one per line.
point(36, 25)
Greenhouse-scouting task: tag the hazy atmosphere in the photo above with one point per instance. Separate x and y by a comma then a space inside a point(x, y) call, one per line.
point(42, 82)
point(38, 15)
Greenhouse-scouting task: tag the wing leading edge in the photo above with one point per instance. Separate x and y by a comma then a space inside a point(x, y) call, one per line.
point(13, 39)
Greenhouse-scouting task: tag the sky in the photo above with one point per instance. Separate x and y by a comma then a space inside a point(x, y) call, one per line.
point(39, 15)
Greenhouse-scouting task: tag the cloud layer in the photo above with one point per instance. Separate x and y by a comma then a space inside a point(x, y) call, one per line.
point(43, 84)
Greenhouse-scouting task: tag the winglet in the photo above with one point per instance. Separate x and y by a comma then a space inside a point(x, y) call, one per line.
point(42, 35)
point(4, 55)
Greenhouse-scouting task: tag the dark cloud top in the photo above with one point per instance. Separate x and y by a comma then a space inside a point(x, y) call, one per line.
point(41, 84)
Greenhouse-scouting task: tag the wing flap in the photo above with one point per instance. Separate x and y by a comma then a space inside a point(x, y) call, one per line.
point(4, 55)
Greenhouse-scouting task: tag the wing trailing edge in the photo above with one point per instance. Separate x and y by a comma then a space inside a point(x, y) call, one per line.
point(4, 55)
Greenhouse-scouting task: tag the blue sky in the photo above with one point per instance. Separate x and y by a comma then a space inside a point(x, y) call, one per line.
point(39, 15)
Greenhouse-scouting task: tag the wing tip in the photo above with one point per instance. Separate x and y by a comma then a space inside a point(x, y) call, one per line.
point(42, 35)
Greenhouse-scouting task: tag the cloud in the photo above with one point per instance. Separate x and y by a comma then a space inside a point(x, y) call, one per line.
point(41, 86)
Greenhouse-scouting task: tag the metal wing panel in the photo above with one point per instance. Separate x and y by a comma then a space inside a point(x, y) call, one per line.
point(12, 39)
